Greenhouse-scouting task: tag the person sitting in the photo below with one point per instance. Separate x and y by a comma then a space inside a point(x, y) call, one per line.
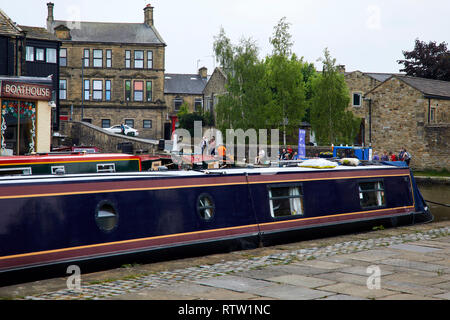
point(376, 157)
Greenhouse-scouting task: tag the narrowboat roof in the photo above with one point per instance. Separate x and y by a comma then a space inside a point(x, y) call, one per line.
point(74, 157)
point(192, 173)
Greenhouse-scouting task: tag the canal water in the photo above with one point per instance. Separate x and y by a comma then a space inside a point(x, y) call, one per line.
point(439, 193)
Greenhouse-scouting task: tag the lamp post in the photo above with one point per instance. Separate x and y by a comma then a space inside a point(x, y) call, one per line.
point(370, 120)
point(82, 88)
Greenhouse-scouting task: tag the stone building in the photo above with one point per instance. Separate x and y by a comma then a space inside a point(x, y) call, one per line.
point(358, 84)
point(183, 89)
point(413, 113)
point(112, 73)
point(213, 89)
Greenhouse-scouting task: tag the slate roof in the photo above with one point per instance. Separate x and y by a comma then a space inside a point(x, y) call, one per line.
point(380, 76)
point(429, 87)
point(184, 84)
point(111, 32)
point(38, 33)
point(7, 26)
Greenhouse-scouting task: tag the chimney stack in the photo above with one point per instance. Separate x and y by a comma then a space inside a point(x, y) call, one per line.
point(148, 15)
point(203, 72)
point(50, 18)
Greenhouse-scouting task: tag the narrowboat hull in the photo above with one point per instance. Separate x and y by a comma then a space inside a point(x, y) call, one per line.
point(47, 220)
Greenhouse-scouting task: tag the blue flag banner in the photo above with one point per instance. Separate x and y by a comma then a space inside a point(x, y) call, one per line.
point(301, 143)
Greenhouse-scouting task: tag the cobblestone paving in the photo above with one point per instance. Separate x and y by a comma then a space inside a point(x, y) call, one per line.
point(165, 279)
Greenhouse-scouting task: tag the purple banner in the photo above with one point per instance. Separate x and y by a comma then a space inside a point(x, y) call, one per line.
point(301, 143)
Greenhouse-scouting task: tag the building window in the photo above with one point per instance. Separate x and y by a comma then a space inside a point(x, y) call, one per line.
point(149, 91)
point(129, 122)
point(108, 58)
point(108, 90)
point(127, 90)
point(139, 59)
point(30, 54)
point(147, 124)
point(106, 123)
point(127, 59)
point(357, 99)
point(198, 104)
point(40, 54)
point(286, 201)
point(371, 194)
point(51, 55)
point(97, 89)
point(149, 59)
point(63, 89)
point(138, 90)
point(97, 58)
point(177, 102)
point(432, 114)
point(87, 90)
point(63, 57)
point(86, 57)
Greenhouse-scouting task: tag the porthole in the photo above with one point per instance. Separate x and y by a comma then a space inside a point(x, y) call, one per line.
point(205, 207)
point(106, 216)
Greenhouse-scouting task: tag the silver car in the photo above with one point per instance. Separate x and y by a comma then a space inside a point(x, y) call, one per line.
point(129, 131)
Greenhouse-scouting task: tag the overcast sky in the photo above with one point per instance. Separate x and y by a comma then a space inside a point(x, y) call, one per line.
point(365, 35)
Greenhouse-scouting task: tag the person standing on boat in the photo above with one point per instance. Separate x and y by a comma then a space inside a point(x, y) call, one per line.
point(212, 146)
point(385, 157)
point(204, 145)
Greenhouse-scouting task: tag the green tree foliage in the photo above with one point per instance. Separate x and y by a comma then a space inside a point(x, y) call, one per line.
point(284, 74)
point(187, 120)
point(330, 119)
point(427, 60)
point(244, 105)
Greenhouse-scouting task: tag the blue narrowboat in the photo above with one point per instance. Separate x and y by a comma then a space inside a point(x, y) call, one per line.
point(47, 220)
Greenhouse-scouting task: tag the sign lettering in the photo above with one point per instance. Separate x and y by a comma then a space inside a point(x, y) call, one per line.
point(20, 90)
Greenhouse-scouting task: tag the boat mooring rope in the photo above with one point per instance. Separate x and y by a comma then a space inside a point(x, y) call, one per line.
point(439, 204)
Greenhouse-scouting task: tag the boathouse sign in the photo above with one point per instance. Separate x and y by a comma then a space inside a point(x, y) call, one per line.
point(20, 90)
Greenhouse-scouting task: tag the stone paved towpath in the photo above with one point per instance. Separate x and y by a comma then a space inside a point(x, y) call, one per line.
point(413, 263)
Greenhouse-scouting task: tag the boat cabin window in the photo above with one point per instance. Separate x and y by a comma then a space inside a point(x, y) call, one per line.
point(106, 167)
point(15, 172)
point(371, 194)
point(58, 170)
point(286, 201)
point(205, 207)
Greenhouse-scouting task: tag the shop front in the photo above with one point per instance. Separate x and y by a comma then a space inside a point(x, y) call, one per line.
point(25, 125)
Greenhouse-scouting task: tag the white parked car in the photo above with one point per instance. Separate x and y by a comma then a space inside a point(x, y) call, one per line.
point(129, 131)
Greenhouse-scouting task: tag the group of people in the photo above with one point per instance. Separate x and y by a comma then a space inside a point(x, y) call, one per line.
point(402, 156)
point(288, 154)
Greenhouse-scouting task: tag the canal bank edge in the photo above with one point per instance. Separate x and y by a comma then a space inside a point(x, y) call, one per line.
point(432, 180)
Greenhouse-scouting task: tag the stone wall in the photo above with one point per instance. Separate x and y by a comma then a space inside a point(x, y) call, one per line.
point(82, 133)
point(437, 140)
